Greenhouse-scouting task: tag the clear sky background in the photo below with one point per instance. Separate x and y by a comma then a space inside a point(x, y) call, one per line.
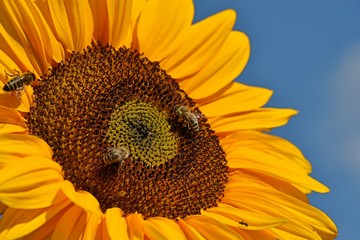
point(308, 52)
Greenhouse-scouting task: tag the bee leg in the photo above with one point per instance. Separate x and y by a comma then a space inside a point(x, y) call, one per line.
point(18, 93)
point(8, 74)
point(119, 167)
point(12, 74)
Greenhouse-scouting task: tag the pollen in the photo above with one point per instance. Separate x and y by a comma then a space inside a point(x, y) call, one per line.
point(105, 98)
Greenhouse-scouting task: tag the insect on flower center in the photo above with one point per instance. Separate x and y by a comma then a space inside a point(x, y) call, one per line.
point(124, 131)
point(144, 131)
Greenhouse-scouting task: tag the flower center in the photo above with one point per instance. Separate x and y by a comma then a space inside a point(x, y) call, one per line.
point(123, 130)
point(144, 132)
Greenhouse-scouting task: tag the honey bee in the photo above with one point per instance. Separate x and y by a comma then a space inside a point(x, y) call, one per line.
point(139, 129)
point(18, 83)
point(116, 154)
point(190, 117)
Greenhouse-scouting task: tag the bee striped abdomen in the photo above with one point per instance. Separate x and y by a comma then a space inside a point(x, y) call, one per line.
point(14, 84)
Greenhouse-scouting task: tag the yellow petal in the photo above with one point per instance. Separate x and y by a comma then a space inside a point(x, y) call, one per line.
point(273, 163)
point(22, 19)
point(119, 14)
point(162, 25)
point(73, 22)
point(305, 189)
point(162, 228)
point(18, 223)
point(280, 234)
point(30, 182)
point(278, 204)
point(9, 128)
point(101, 21)
point(249, 187)
point(45, 37)
point(301, 230)
point(23, 145)
point(189, 231)
point(32, 163)
point(58, 48)
point(11, 121)
point(116, 224)
point(210, 228)
point(45, 231)
point(235, 178)
point(83, 199)
point(135, 229)
point(10, 116)
point(23, 104)
point(258, 234)
point(202, 43)
point(34, 198)
point(12, 39)
point(237, 98)
point(101, 231)
point(7, 64)
point(260, 119)
point(223, 219)
point(93, 222)
point(221, 70)
point(137, 9)
point(71, 225)
point(243, 218)
point(41, 45)
point(259, 140)
point(112, 21)
point(294, 225)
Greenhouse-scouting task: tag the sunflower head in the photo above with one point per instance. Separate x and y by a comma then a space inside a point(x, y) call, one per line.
point(134, 128)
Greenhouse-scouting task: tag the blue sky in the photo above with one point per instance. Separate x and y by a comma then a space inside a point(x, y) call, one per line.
point(308, 52)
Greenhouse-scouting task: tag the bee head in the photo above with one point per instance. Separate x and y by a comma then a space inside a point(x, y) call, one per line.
point(29, 78)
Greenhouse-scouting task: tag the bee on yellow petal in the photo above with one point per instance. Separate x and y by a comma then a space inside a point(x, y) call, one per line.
point(19, 82)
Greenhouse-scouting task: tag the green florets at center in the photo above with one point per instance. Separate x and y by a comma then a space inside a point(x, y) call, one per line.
point(144, 131)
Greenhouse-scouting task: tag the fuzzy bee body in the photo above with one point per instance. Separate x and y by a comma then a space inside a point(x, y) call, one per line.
point(116, 155)
point(190, 117)
point(19, 82)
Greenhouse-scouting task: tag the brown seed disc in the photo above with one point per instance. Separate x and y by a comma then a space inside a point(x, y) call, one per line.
point(167, 163)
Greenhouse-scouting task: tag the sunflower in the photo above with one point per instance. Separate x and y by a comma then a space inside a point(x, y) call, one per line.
point(132, 127)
